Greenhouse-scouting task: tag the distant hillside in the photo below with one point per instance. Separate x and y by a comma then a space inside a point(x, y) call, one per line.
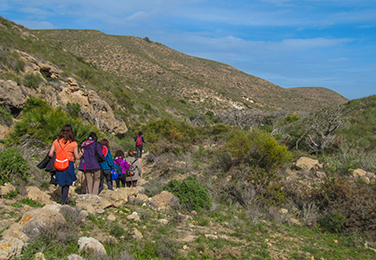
point(204, 84)
point(324, 95)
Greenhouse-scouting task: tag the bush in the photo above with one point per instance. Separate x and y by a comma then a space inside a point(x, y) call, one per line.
point(190, 193)
point(292, 118)
point(5, 116)
point(73, 109)
point(258, 148)
point(42, 123)
point(32, 80)
point(12, 165)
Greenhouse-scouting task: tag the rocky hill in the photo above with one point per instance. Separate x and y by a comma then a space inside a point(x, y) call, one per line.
point(205, 84)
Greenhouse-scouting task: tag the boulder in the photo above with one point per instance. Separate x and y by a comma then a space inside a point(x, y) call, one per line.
point(4, 190)
point(92, 203)
point(36, 221)
point(15, 231)
point(34, 193)
point(164, 200)
point(92, 245)
point(116, 198)
point(359, 173)
point(12, 95)
point(307, 164)
point(10, 248)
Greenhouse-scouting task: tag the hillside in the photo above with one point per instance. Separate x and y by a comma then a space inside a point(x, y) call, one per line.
point(205, 84)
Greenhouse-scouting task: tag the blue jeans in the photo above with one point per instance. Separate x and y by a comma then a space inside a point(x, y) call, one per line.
point(107, 174)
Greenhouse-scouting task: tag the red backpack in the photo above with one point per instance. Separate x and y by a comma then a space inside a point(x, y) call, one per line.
point(61, 161)
point(139, 140)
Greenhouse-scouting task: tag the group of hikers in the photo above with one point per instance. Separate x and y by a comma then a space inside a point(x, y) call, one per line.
point(96, 162)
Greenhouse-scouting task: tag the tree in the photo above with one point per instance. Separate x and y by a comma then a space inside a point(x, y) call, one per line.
point(320, 132)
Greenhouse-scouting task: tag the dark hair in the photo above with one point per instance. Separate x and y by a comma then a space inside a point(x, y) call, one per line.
point(66, 133)
point(131, 153)
point(140, 133)
point(119, 153)
point(93, 136)
point(105, 142)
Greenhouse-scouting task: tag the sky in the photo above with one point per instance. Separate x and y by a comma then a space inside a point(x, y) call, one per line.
point(291, 43)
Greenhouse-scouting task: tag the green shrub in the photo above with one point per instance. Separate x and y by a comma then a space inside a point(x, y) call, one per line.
point(170, 129)
point(42, 123)
point(258, 148)
point(5, 116)
point(73, 109)
point(190, 193)
point(12, 165)
point(32, 80)
point(11, 194)
point(292, 118)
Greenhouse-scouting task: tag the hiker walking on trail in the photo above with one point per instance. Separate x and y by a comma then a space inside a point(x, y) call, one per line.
point(135, 171)
point(106, 166)
point(121, 167)
point(89, 163)
point(66, 141)
point(139, 144)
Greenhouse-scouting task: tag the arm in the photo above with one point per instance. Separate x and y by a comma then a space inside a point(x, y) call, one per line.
point(99, 151)
point(124, 164)
point(52, 150)
point(143, 140)
point(77, 154)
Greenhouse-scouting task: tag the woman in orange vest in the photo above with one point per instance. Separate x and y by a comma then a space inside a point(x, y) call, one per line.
point(65, 178)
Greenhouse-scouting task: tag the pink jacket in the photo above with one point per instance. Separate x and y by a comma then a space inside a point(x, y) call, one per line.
point(123, 164)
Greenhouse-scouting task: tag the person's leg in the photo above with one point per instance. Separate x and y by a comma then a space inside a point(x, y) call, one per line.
point(134, 183)
point(64, 194)
point(141, 148)
point(101, 180)
point(138, 151)
point(89, 182)
point(109, 180)
point(96, 180)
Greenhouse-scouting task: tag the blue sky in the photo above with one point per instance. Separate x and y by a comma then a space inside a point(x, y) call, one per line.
point(291, 43)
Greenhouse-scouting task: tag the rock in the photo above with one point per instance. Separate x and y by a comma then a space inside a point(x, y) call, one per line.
point(163, 221)
point(15, 231)
point(4, 190)
point(164, 200)
point(37, 220)
point(91, 244)
point(111, 217)
point(116, 198)
point(12, 95)
point(134, 216)
point(92, 203)
point(295, 221)
point(39, 256)
point(283, 211)
point(10, 248)
point(75, 257)
point(305, 163)
point(34, 193)
point(321, 175)
point(359, 173)
point(136, 234)
point(142, 197)
point(365, 179)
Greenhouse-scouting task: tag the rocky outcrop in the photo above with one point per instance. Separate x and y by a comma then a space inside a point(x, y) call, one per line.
point(93, 107)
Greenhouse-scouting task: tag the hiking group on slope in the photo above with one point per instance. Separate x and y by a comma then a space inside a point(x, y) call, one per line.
point(96, 162)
